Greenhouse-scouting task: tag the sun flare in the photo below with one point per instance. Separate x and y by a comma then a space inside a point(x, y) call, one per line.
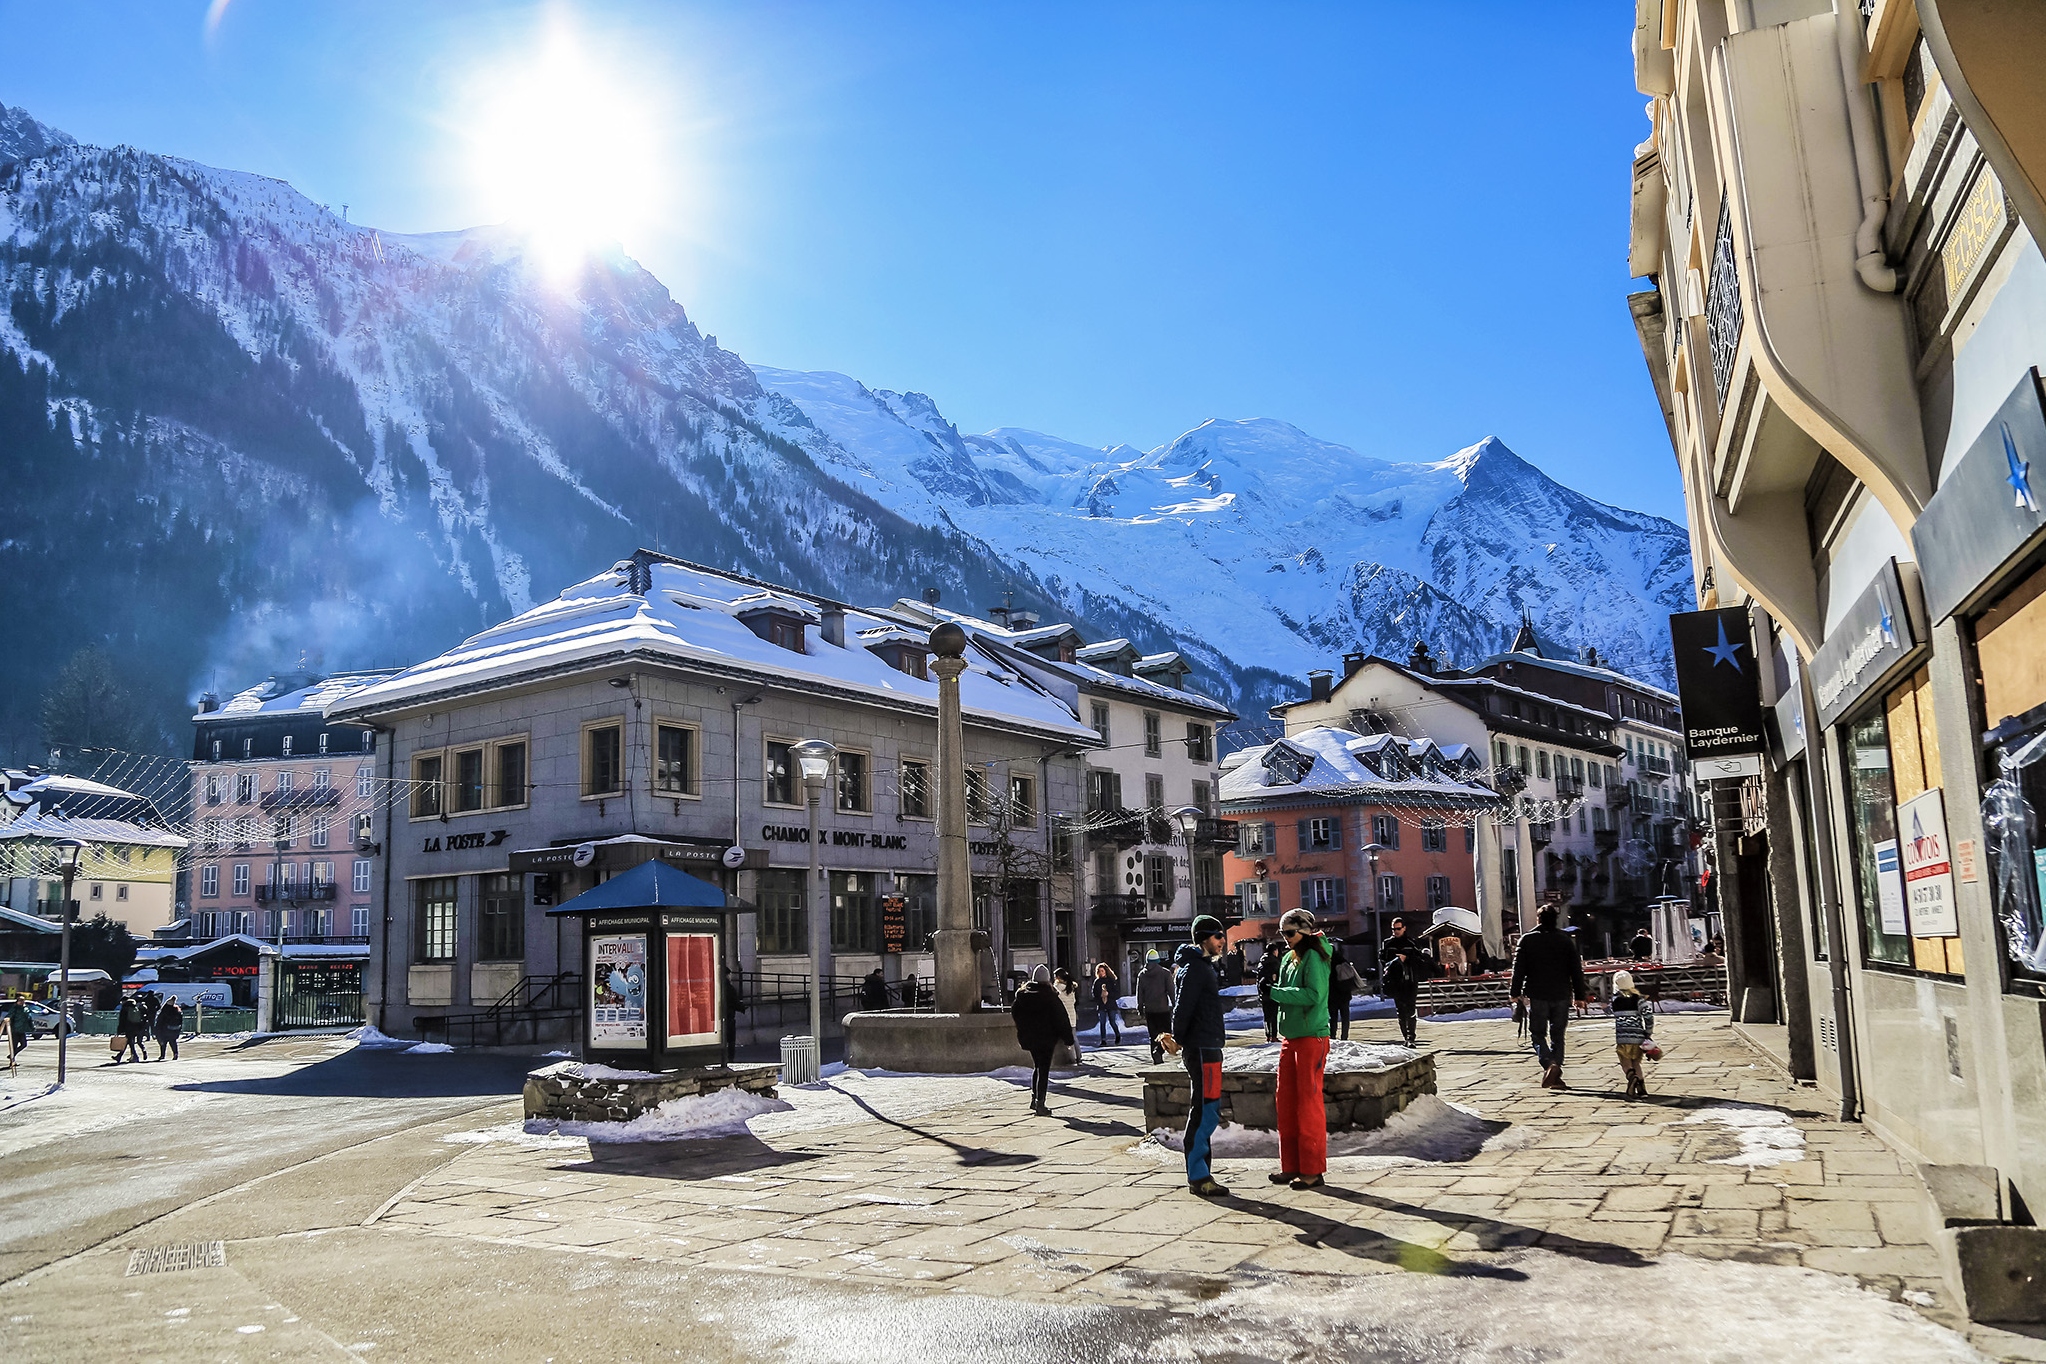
point(563, 149)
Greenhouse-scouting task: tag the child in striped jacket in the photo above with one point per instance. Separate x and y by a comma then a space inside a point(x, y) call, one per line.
point(1633, 1029)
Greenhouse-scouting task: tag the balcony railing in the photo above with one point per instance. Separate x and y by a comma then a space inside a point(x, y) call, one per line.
point(1619, 797)
point(1605, 840)
point(1723, 304)
point(1223, 907)
point(308, 798)
point(1215, 833)
point(1650, 763)
point(1569, 786)
point(1122, 828)
point(295, 893)
point(1112, 908)
point(342, 939)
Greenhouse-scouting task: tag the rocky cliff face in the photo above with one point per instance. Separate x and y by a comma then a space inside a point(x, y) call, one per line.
point(239, 431)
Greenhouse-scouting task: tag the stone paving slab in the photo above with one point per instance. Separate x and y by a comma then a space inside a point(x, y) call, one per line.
point(977, 1195)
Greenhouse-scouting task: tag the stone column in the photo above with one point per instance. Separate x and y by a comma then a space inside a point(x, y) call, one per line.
point(958, 973)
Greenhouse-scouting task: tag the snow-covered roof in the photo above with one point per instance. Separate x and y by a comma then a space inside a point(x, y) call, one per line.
point(38, 824)
point(294, 694)
point(1602, 673)
point(1326, 761)
point(689, 615)
point(15, 919)
point(1082, 673)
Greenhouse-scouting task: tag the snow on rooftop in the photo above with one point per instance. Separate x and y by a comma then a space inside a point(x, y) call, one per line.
point(1336, 766)
point(600, 620)
point(39, 824)
point(1083, 672)
point(289, 694)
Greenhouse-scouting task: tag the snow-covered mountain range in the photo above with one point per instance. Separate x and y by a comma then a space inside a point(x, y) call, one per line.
point(237, 429)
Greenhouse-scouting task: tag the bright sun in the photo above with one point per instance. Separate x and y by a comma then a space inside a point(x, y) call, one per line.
point(561, 149)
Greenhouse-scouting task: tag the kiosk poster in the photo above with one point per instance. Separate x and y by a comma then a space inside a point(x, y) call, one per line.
point(618, 991)
point(1890, 888)
point(692, 990)
point(1928, 868)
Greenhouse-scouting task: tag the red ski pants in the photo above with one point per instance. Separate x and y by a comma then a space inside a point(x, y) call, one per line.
point(1303, 1124)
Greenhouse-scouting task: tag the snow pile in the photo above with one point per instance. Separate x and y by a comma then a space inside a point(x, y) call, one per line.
point(593, 1070)
point(1428, 1129)
point(723, 1114)
point(1766, 1136)
point(1470, 1015)
point(428, 1049)
point(370, 1038)
point(1343, 1056)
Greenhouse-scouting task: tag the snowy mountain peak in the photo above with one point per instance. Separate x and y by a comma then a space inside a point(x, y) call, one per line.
point(21, 137)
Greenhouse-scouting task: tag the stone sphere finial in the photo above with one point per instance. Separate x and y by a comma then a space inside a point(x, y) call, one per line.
point(948, 640)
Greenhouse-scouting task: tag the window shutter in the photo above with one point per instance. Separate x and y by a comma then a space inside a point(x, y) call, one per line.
point(1271, 838)
point(1342, 895)
point(1301, 828)
point(1335, 834)
point(1115, 785)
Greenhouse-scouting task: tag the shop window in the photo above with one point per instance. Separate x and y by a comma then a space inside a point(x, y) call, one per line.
point(1914, 757)
point(1022, 920)
point(783, 930)
point(433, 915)
point(855, 912)
point(2010, 648)
point(920, 912)
point(501, 918)
point(1885, 760)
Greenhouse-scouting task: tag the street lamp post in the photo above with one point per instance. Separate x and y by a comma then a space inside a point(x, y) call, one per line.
point(68, 851)
point(813, 759)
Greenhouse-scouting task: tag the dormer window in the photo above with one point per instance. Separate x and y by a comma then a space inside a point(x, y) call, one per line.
point(911, 661)
point(778, 625)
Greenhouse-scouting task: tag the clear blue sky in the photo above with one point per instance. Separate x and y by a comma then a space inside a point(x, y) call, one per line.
point(1400, 227)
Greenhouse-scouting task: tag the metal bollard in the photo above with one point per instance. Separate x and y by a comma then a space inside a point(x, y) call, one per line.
point(799, 1060)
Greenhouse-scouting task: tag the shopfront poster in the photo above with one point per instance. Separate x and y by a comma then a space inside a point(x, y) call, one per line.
point(693, 990)
point(1890, 888)
point(1928, 866)
point(618, 991)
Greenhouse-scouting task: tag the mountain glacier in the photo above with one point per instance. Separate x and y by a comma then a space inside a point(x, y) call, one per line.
point(239, 431)
point(1265, 543)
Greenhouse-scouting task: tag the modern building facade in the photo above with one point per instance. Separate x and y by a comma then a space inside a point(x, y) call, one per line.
point(651, 712)
point(283, 808)
point(1141, 877)
point(1837, 209)
point(1356, 827)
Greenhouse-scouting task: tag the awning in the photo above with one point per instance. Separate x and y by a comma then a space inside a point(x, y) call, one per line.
point(1450, 917)
point(650, 885)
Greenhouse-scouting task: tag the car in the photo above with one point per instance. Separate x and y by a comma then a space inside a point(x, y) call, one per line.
point(44, 1019)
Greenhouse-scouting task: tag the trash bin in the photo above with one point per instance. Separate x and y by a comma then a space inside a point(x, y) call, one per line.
point(799, 1060)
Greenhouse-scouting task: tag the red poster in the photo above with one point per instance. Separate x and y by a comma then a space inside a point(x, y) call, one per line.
point(692, 989)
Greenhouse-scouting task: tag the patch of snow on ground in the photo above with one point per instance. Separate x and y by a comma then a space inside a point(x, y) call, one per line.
point(558, 1055)
point(514, 1133)
point(722, 1114)
point(1428, 1129)
point(370, 1037)
point(1766, 1136)
point(1470, 1015)
point(594, 1070)
point(428, 1049)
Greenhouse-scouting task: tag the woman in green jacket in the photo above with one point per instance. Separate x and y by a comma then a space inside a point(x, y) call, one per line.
point(1302, 997)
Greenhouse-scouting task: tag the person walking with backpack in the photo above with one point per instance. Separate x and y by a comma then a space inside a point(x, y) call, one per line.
point(1342, 984)
point(1041, 1025)
point(133, 1025)
point(170, 1024)
point(1154, 998)
point(1302, 997)
point(1198, 1035)
point(1547, 975)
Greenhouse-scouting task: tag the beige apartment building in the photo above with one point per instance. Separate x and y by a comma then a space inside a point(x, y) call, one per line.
point(1837, 209)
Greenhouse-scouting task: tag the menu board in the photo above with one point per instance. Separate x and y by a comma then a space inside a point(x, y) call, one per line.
point(693, 1004)
point(618, 991)
point(894, 923)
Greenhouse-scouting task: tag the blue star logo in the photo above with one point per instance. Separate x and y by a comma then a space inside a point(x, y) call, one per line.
point(1724, 652)
point(2020, 476)
point(1888, 623)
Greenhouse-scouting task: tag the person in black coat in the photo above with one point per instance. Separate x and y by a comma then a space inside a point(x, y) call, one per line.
point(1403, 965)
point(1107, 989)
point(874, 990)
point(1342, 985)
point(1267, 977)
point(1198, 1035)
point(1642, 947)
point(1547, 975)
point(1042, 1025)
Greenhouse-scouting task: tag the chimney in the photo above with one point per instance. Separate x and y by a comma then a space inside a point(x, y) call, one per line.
point(1022, 620)
point(999, 614)
point(208, 703)
point(1318, 684)
point(832, 631)
point(1353, 661)
point(1420, 660)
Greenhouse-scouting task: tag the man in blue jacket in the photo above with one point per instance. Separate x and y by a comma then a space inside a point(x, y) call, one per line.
point(1198, 1034)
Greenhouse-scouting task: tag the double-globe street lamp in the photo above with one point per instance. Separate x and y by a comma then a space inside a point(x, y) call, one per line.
point(814, 758)
point(68, 852)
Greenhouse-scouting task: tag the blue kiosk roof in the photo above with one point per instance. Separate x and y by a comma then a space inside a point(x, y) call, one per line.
point(650, 885)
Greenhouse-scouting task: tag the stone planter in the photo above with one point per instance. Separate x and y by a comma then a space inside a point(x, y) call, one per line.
point(1355, 1100)
point(572, 1091)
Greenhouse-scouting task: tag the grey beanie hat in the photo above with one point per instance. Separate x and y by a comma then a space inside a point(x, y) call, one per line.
point(1041, 973)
